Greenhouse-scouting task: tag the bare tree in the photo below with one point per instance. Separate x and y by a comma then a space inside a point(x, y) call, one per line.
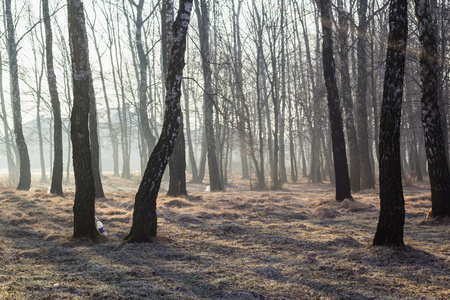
point(84, 203)
point(177, 161)
point(25, 172)
point(202, 12)
point(367, 180)
point(392, 204)
point(438, 168)
point(355, 166)
point(337, 131)
point(56, 185)
point(112, 133)
point(144, 216)
point(13, 174)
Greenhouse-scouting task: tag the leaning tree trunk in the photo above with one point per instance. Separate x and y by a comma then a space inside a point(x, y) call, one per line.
point(144, 215)
point(56, 185)
point(25, 172)
point(392, 204)
point(431, 113)
point(84, 204)
point(177, 161)
point(337, 131)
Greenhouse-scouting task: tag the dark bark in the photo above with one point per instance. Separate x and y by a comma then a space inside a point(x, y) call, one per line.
point(95, 148)
point(438, 169)
point(177, 166)
point(367, 180)
point(57, 176)
point(392, 204)
point(144, 216)
point(208, 98)
point(84, 203)
point(25, 172)
point(355, 166)
point(337, 131)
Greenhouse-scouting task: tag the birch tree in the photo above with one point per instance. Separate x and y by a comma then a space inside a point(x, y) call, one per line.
point(144, 216)
point(392, 204)
point(438, 168)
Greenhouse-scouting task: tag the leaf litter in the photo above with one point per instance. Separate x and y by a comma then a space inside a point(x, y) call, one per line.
point(297, 243)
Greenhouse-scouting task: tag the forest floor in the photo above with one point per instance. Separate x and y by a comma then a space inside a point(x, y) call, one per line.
point(297, 243)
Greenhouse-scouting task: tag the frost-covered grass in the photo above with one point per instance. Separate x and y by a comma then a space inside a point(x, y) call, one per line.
point(293, 244)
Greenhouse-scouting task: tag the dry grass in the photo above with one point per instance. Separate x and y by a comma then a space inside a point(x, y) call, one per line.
point(293, 244)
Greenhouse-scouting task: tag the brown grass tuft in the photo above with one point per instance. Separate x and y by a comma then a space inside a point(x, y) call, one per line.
point(325, 212)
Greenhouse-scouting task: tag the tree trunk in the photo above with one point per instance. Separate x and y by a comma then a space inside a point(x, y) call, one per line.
point(192, 161)
point(56, 185)
point(363, 137)
point(143, 78)
point(144, 215)
point(94, 144)
point(84, 204)
point(13, 175)
point(177, 161)
point(438, 169)
point(25, 172)
point(392, 213)
point(177, 165)
point(355, 166)
point(208, 98)
point(282, 159)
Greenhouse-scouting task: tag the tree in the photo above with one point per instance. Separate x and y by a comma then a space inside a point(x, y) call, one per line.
point(177, 164)
point(392, 204)
point(193, 163)
point(144, 215)
point(56, 186)
point(239, 90)
point(143, 63)
point(13, 173)
point(438, 169)
point(112, 133)
point(25, 172)
point(355, 166)
point(363, 138)
point(208, 101)
point(177, 161)
point(337, 131)
point(84, 203)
